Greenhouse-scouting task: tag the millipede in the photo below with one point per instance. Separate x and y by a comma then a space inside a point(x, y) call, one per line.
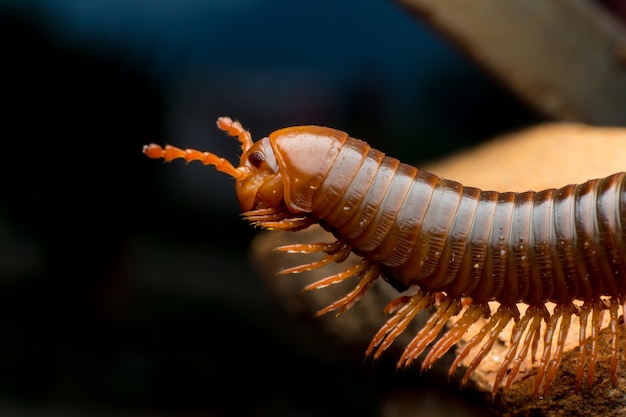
point(450, 249)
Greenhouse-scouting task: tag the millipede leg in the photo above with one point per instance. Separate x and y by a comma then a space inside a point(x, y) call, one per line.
point(582, 347)
point(338, 277)
point(266, 214)
point(614, 345)
point(596, 322)
point(401, 302)
point(288, 223)
point(516, 336)
point(454, 334)
point(533, 330)
point(409, 307)
point(555, 362)
point(368, 276)
point(337, 256)
point(547, 345)
point(492, 328)
point(488, 345)
point(429, 331)
point(279, 218)
point(311, 247)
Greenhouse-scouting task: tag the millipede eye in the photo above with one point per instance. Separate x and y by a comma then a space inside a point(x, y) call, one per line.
point(256, 159)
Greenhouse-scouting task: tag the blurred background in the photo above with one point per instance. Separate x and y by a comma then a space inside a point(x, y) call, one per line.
point(125, 286)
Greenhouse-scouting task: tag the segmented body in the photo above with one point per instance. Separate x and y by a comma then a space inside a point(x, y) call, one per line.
point(460, 247)
point(432, 232)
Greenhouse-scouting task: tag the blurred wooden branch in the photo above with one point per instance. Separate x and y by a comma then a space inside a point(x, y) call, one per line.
point(565, 58)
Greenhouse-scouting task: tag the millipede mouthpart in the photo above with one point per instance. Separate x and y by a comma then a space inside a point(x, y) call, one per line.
point(456, 248)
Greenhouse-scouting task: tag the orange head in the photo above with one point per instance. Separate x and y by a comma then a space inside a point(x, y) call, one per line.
point(286, 167)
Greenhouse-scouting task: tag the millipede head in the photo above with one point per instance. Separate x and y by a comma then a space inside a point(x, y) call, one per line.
point(259, 181)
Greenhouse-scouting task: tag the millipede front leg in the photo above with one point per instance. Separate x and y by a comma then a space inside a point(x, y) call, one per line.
point(368, 275)
point(279, 218)
point(334, 252)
